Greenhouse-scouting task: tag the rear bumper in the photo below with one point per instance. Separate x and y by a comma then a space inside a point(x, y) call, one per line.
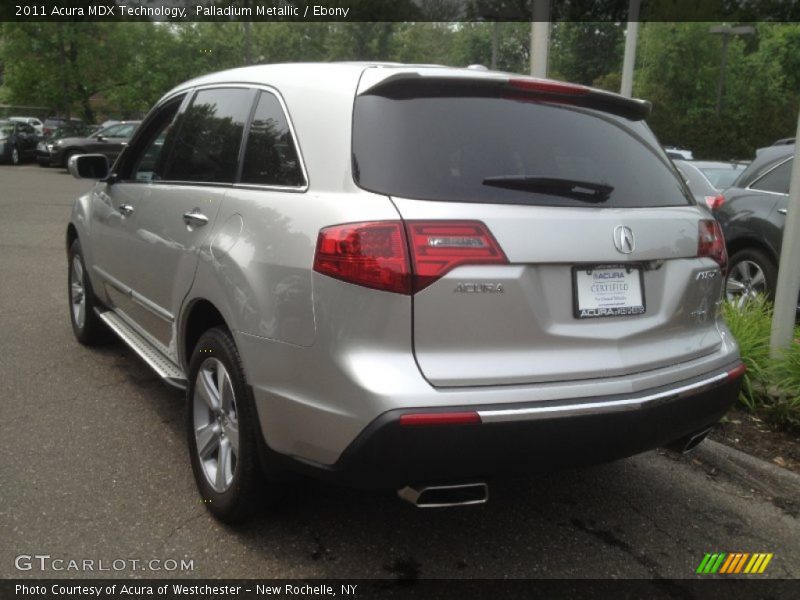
point(528, 438)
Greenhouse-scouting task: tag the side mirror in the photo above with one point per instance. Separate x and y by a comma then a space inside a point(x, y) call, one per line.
point(101, 138)
point(88, 166)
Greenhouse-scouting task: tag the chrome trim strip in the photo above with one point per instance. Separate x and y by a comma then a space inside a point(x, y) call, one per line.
point(136, 296)
point(151, 306)
point(593, 408)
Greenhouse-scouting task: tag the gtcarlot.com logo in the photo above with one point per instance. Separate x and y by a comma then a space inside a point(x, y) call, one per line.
point(45, 562)
point(734, 563)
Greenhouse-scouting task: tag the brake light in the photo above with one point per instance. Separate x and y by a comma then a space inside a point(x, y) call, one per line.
point(438, 247)
point(448, 418)
point(715, 202)
point(711, 243)
point(376, 254)
point(547, 87)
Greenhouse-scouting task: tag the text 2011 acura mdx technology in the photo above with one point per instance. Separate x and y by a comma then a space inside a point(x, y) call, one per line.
point(402, 276)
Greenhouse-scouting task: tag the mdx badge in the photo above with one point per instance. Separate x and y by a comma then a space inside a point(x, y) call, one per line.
point(623, 239)
point(479, 288)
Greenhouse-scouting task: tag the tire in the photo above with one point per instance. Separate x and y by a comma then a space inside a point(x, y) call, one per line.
point(89, 330)
point(750, 272)
point(15, 156)
point(225, 428)
point(66, 158)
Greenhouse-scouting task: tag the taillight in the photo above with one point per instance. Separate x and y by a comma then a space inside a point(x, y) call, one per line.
point(376, 254)
point(440, 246)
point(715, 202)
point(711, 243)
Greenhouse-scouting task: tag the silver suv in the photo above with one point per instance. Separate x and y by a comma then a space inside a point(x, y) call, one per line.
point(406, 277)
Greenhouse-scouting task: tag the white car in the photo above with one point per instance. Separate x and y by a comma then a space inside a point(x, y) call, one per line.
point(32, 121)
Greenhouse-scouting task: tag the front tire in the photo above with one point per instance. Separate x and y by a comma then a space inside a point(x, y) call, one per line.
point(750, 273)
point(15, 155)
point(222, 429)
point(89, 330)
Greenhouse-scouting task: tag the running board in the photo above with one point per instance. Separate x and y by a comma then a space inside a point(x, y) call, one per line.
point(155, 359)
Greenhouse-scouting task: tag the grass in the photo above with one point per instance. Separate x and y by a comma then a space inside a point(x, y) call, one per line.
point(770, 387)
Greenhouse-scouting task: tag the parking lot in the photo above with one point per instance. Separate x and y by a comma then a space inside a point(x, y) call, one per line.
point(95, 468)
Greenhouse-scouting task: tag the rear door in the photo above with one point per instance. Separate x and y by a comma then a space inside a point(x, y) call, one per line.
point(601, 275)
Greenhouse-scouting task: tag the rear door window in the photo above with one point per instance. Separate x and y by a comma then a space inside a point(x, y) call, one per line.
point(270, 156)
point(206, 147)
point(470, 146)
point(777, 180)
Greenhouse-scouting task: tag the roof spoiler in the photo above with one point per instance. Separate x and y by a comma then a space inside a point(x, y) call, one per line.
point(510, 86)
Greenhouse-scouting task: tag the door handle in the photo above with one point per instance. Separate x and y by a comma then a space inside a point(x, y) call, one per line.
point(125, 209)
point(194, 218)
point(782, 211)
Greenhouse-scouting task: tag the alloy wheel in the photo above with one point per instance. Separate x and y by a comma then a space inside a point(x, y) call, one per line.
point(745, 281)
point(216, 424)
point(77, 292)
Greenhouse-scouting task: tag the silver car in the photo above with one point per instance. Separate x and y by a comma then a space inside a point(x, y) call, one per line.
point(404, 277)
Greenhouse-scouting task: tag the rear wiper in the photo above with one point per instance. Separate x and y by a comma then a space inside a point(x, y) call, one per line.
point(571, 188)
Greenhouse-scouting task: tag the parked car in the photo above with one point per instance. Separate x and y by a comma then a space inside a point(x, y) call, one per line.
point(32, 121)
point(405, 277)
point(752, 214)
point(53, 123)
point(678, 153)
point(109, 142)
point(17, 141)
point(706, 178)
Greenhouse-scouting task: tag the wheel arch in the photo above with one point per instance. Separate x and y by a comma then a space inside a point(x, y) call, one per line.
point(199, 316)
point(750, 243)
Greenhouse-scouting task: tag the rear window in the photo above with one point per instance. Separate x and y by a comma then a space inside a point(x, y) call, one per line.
point(463, 146)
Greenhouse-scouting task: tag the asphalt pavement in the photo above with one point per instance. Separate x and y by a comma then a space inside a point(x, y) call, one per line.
point(95, 468)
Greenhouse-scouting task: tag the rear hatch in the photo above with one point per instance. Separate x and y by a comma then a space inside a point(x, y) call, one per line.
point(551, 238)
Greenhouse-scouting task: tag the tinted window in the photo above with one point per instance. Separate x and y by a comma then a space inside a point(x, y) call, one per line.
point(270, 156)
point(776, 180)
point(152, 148)
point(206, 147)
point(446, 147)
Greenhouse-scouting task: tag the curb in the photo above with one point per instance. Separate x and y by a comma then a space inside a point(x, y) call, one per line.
point(781, 485)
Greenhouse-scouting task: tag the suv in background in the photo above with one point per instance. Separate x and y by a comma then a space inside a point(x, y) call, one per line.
point(55, 151)
point(32, 121)
point(406, 277)
point(752, 214)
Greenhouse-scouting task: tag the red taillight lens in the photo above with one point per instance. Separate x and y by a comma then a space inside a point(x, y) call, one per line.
point(452, 418)
point(715, 202)
point(374, 255)
point(737, 372)
point(711, 243)
point(547, 87)
point(440, 246)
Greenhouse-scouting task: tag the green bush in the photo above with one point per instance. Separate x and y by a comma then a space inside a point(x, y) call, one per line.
point(770, 386)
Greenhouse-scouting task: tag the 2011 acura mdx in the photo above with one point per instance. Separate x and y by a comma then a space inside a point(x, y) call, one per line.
point(407, 277)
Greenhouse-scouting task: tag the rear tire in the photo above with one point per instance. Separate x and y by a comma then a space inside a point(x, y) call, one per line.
point(750, 273)
point(223, 429)
point(15, 157)
point(88, 328)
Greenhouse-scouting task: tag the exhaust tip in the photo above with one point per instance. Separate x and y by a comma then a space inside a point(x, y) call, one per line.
point(441, 496)
point(688, 443)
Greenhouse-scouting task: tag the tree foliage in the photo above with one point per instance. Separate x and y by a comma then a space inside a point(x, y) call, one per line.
point(100, 69)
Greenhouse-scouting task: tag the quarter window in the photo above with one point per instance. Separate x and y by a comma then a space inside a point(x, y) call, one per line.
point(270, 155)
point(209, 136)
point(776, 180)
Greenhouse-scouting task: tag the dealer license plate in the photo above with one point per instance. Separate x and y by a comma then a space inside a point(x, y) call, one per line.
point(608, 291)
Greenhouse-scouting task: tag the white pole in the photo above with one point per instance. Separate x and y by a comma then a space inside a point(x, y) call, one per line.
point(540, 37)
point(631, 35)
point(789, 272)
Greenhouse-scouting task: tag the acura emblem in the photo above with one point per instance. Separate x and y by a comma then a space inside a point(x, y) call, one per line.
point(623, 239)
